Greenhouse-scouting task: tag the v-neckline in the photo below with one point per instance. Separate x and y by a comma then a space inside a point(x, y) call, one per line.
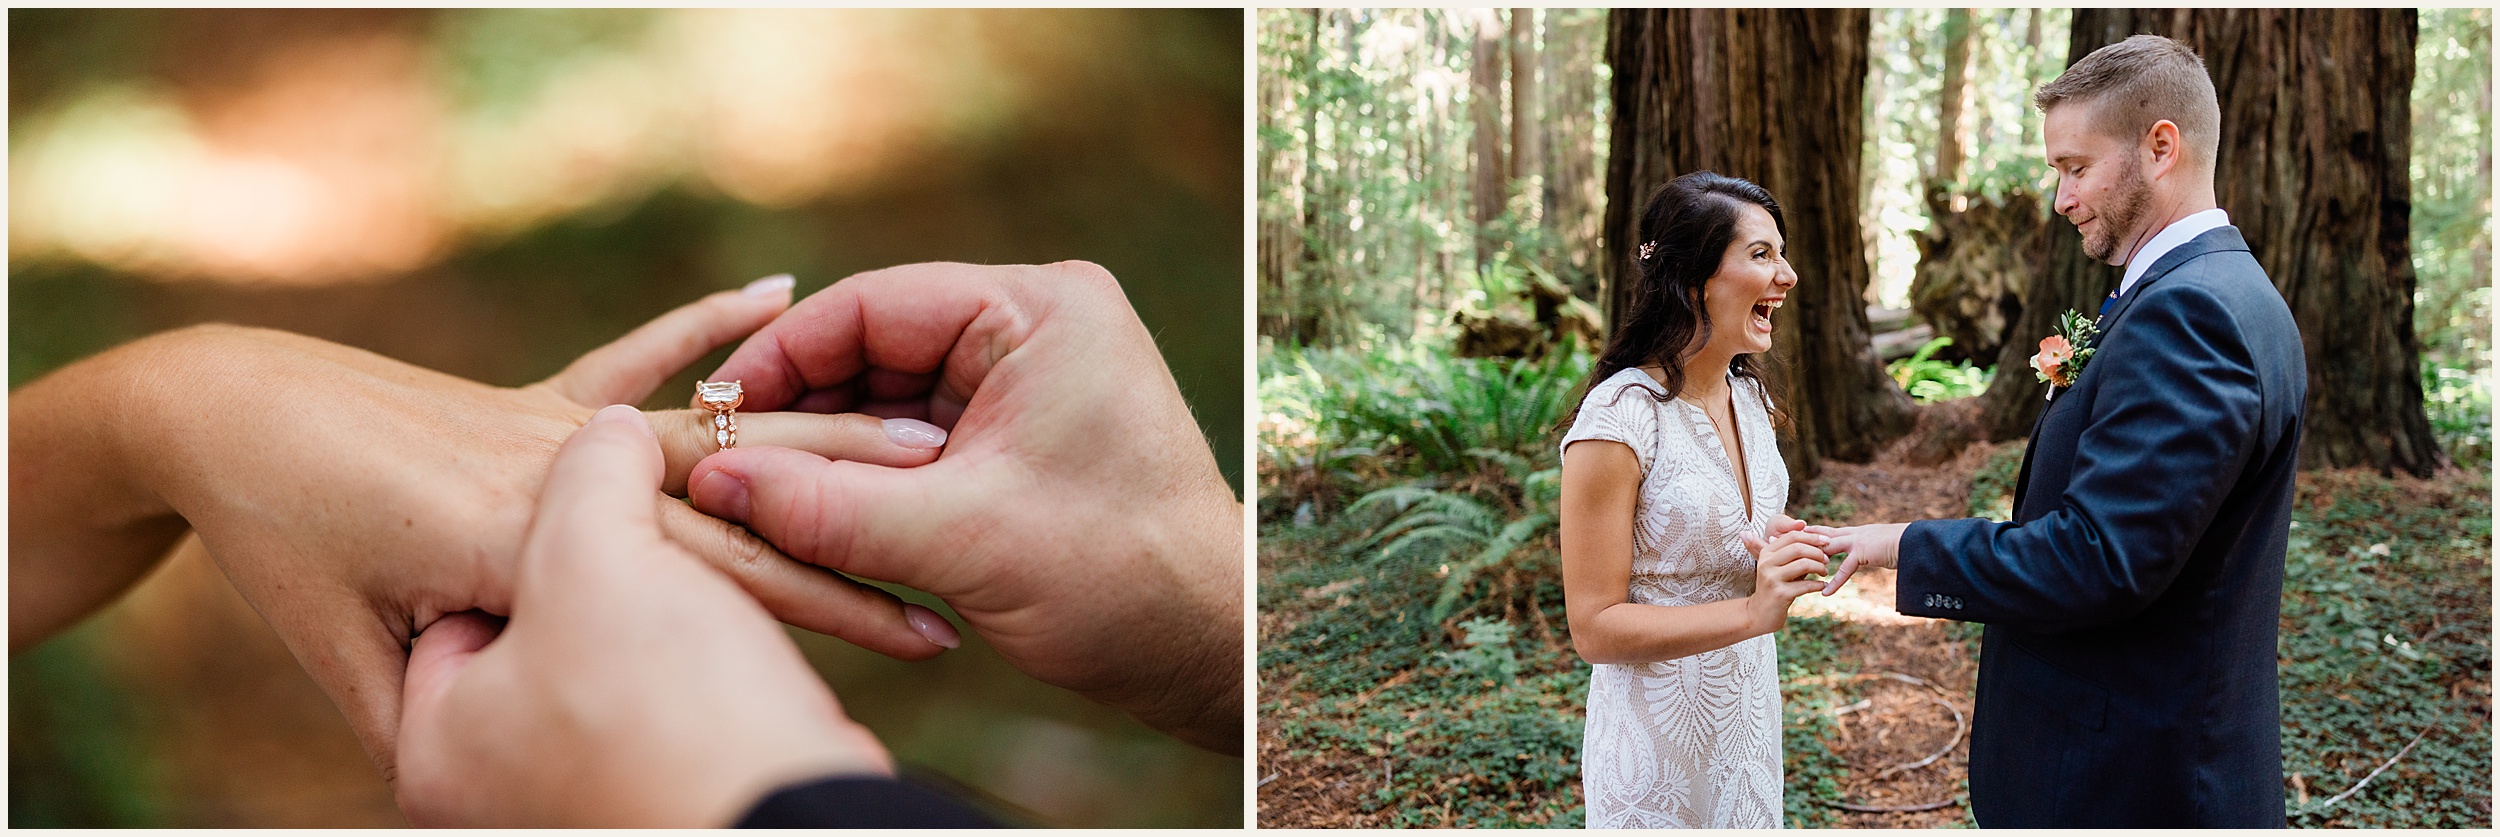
point(1738, 464)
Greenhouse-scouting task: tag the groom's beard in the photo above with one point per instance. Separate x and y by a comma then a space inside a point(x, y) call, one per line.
point(2120, 217)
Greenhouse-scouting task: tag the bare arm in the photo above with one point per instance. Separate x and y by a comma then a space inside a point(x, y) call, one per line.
point(1601, 480)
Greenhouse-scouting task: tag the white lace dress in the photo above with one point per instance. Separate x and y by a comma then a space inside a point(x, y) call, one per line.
point(1691, 742)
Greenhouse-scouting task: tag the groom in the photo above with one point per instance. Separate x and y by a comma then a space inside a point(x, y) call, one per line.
point(2127, 675)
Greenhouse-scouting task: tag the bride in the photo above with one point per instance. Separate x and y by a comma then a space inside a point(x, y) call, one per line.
point(1670, 485)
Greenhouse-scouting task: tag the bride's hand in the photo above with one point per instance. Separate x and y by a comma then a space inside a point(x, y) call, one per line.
point(1871, 545)
point(354, 499)
point(1784, 568)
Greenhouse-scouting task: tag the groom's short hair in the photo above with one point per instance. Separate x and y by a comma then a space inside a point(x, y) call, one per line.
point(2139, 81)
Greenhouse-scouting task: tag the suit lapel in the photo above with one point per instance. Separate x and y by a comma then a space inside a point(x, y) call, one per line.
point(2217, 240)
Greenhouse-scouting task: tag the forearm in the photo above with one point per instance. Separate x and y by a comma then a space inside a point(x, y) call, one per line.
point(84, 523)
point(1629, 633)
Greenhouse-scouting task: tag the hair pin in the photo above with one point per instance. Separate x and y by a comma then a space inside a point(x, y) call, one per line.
point(1648, 247)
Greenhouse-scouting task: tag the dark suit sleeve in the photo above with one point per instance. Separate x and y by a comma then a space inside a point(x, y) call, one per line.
point(860, 802)
point(2176, 413)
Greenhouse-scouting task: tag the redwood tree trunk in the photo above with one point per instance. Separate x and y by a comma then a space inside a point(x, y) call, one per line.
point(1948, 165)
point(1775, 97)
point(2317, 139)
point(1490, 183)
point(1527, 160)
point(1573, 186)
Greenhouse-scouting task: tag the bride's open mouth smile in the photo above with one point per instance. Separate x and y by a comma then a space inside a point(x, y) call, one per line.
point(1762, 312)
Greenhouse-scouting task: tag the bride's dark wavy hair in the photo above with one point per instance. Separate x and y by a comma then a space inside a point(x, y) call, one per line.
point(1690, 221)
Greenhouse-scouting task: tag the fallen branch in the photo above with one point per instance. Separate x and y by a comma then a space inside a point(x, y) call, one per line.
point(1270, 778)
point(1893, 809)
point(2382, 768)
point(1959, 727)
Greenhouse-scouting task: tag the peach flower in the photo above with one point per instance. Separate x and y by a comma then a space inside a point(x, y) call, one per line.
point(2051, 361)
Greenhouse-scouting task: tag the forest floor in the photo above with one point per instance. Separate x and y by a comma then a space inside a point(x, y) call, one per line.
point(1888, 698)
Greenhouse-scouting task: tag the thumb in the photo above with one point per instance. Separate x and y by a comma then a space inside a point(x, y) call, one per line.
point(850, 517)
point(427, 770)
point(600, 506)
point(436, 661)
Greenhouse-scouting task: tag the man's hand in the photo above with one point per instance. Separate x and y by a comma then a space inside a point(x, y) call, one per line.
point(1871, 545)
point(632, 686)
point(1077, 519)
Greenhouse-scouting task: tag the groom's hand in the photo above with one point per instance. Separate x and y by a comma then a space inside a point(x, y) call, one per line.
point(1077, 519)
point(1871, 545)
point(632, 686)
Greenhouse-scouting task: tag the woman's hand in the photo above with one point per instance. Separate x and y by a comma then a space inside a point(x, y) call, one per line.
point(354, 499)
point(1871, 545)
point(633, 686)
point(1784, 568)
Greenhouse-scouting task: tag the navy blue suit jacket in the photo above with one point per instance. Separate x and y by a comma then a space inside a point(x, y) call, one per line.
point(2127, 674)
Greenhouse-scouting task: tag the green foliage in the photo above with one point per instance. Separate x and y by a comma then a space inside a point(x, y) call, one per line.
point(1823, 504)
point(2459, 403)
point(2386, 633)
point(76, 753)
point(1810, 660)
point(1930, 380)
point(1414, 410)
point(1461, 532)
point(2452, 187)
point(1992, 486)
point(1366, 195)
point(1480, 732)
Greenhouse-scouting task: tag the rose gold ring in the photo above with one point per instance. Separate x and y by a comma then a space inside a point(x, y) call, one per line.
point(722, 398)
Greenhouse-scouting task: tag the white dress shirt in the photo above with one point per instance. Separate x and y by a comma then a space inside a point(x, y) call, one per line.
point(2179, 232)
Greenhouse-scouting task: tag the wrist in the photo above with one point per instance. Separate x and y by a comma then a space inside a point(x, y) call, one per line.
point(1200, 673)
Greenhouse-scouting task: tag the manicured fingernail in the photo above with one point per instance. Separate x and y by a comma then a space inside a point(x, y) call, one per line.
point(770, 284)
point(931, 626)
point(914, 433)
point(722, 495)
point(622, 414)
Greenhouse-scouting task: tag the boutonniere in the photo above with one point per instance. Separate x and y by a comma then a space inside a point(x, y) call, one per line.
point(2063, 355)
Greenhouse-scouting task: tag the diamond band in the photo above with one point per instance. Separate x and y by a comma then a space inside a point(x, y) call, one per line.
point(722, 398)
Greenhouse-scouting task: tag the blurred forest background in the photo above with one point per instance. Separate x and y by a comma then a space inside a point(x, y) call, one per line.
point(491, 193)
point(1444, 207)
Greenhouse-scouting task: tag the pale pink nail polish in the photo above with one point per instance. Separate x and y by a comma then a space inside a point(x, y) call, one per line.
point(770, 284)
point(914, 433)
point(932, 627)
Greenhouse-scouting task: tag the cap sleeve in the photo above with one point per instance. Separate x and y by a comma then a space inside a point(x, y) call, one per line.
point(1620, 410)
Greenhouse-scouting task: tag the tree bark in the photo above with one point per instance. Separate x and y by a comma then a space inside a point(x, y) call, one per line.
point(2315, 171)
point(1527, 159)
point(1573, 186)
point(1492, 169)
point(1948, 165)
point(2317, 119)
point(1775, 97)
